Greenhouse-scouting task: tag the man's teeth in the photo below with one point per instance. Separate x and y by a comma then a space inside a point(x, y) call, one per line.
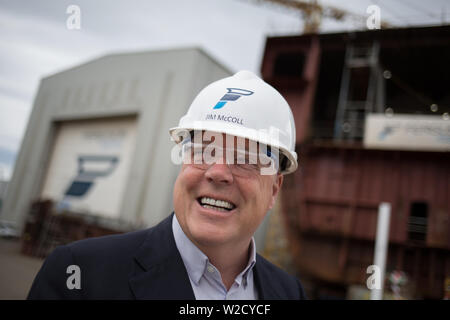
point(220, 205)
point(215, 208)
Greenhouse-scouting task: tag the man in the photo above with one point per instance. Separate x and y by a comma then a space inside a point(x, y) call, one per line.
point(236, 141)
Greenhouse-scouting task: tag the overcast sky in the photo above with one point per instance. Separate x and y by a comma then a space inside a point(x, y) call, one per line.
point(35, 42)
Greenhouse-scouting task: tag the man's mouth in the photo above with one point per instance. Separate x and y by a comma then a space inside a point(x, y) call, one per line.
point(216, 204)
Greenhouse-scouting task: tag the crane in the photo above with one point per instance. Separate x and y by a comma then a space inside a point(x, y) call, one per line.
point(312, 13)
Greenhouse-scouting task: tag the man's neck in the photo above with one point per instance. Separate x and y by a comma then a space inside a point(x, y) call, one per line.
point(230, 260)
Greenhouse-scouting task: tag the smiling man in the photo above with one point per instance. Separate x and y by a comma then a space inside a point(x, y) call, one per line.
point(236, 142)
point(218, 206)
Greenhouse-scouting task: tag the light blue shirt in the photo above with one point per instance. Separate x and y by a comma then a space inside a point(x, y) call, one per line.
point(205, 278)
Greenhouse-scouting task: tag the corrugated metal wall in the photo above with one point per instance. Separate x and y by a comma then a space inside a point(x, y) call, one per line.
point(340, 190)
point(332, 201)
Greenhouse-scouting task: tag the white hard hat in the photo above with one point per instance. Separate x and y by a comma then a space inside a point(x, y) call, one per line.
point(243, 105)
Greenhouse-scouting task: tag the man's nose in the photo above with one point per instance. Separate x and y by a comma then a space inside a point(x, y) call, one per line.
point(219, 173)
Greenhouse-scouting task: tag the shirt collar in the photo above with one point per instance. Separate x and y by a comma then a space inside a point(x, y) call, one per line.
point(242, 277)
point(196, 261)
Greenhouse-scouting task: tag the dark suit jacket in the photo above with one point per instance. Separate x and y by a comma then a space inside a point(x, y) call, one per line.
point(139, 265)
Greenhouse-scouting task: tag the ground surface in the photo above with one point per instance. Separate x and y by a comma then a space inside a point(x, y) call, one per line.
point(17, 271)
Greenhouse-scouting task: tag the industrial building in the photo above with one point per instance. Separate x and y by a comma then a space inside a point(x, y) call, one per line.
point(372, 118)
point(97, 143)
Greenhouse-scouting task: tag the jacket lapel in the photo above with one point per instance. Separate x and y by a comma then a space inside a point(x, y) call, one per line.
point(159, 271)
point(268, 288)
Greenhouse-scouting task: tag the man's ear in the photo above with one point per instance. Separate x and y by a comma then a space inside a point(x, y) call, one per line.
point(277, 183)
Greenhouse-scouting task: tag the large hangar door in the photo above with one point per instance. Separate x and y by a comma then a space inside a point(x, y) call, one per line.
point(89, 165)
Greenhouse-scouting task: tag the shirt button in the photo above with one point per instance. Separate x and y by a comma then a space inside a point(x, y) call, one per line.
point(210, 269)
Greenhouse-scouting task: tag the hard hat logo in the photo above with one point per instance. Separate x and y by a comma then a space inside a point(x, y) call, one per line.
point(232, 95)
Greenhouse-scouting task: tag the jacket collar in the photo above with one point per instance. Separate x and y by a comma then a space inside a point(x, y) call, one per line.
point(160, 272)
point(268, 286)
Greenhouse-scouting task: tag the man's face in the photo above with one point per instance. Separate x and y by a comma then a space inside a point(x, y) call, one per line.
point(251, 197)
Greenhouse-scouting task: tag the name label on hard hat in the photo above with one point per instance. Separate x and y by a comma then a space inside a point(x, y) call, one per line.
point(227, 118)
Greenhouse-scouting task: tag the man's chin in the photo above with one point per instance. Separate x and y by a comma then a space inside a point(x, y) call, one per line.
point(206, 234)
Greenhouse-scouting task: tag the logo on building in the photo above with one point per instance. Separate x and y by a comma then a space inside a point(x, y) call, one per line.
point(89, 169)
point(232, 95)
